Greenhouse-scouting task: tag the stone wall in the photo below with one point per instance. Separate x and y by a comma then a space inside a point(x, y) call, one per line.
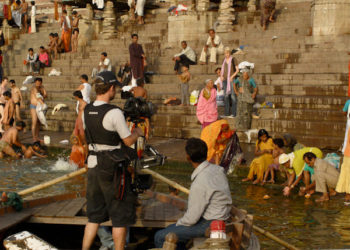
point(190, 27)
point(330, 18)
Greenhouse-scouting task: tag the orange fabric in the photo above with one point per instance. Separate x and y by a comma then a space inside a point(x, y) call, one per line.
point(66, 35)
point(77, 156)
point(220, 147)
point(56, 11)
point(210, 134)
point(347, 148)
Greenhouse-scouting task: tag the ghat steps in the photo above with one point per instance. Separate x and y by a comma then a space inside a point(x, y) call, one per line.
point(305, 81)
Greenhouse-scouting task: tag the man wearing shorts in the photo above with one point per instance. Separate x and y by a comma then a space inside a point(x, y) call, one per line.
point(38, 92)
point(10, 138)
point(109, 194)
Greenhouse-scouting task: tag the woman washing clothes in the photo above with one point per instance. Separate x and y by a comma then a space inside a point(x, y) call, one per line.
point(263, 150)
point(216, 136)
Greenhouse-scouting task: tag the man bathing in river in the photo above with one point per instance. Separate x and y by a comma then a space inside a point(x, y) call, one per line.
point(9, 111)
point(17, 99)
point(209, 198)
point(10, 138)
point(37, 94)
point(34, 150)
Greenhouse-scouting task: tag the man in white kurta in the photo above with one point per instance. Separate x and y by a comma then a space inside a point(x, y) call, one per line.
point(213, 47)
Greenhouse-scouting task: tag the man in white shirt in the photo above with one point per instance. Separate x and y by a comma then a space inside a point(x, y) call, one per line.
point(214, 46)
point(85, 89)
point(109, 193)
point(186, 57)
point(104, 65)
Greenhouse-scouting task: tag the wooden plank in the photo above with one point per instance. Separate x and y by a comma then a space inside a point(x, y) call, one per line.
point(82, 220)
point(9, 220)
point(52, 209)
point(72, 208)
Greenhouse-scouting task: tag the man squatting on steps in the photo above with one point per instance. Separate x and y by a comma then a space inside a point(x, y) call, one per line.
point(106, 130)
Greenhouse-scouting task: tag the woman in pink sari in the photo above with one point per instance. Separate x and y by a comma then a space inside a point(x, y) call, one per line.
point(207, 111)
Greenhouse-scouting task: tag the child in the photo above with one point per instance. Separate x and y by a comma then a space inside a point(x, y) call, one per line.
point(35, 149)
point(78, 153)
point(139, 91)
point(75, 36)
point(32, 18)
point(221, 142)
point(263, 151)
point(218, 82)
point(184, 78)
point(8, 111)
point(17, 99)
point(278, 145)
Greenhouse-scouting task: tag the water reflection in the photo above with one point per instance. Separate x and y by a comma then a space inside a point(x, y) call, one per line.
point(300, 221)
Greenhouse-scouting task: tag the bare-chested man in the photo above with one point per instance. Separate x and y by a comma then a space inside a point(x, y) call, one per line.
point(9, 111)
point(3, 89)
point(17, 99)
point(24, 12)
point(37, 94)
point(139, 91)
point(10, 138)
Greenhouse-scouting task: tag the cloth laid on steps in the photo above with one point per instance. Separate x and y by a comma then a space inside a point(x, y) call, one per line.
point(99, 3)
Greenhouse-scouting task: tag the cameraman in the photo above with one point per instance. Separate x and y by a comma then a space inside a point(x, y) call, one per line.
point(109, 194)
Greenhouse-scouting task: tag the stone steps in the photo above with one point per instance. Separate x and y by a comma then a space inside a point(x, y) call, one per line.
point(302, 115)
point(310, 128)
point(307, 102)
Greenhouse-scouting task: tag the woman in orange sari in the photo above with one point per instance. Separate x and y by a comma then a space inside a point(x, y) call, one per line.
point(78, 153)
point(263, 150)
point(66, 24)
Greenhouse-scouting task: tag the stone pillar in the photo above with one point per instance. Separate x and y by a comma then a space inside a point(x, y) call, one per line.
point(252, 5)
point(226, 16)
point(330, 17)
point(86, 30)
point(109, 22)
point(203, 5)
point(69, 10)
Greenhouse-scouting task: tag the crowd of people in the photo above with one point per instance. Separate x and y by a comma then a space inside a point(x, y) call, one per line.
point(234, 88)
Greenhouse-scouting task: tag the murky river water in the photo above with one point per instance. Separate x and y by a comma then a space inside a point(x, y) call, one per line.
point(301, 222)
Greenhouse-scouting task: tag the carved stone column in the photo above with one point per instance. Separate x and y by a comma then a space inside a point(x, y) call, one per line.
point(226, 16)
point(109, 22)
point(252, 5)
point(203, 5)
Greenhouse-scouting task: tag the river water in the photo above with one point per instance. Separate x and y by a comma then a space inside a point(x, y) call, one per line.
point(299, 221)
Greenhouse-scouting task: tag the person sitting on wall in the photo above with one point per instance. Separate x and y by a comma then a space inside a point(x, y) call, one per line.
point(213, 47)
point(186, 57)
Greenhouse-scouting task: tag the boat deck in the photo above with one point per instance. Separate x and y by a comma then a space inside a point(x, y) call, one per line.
point(155, 210)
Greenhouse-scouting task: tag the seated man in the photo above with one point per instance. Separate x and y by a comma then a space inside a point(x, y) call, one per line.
point(325, 176)
point(104, 65)
point(43, 58)
point(10, 138)
point(209, 198)
point(31, 64)
point(186, 57)
point(214, 46)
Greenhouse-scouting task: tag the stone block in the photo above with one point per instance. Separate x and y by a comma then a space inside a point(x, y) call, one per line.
point(330, 18)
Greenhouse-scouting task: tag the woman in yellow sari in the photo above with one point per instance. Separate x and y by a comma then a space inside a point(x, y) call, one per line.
point(263, 151)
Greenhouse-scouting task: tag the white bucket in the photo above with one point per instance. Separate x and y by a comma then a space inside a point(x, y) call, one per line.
point(47, 140)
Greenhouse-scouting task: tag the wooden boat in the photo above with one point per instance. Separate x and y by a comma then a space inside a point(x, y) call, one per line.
point(156, 210)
